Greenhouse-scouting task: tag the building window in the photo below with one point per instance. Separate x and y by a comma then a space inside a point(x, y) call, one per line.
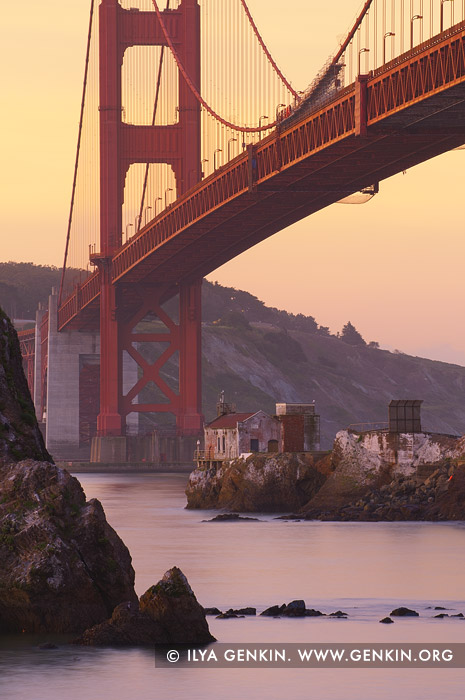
point(224, 444)
point(254, 447)
point(219, 444)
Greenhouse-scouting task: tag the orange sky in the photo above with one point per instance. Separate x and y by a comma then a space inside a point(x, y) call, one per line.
point(393, 266)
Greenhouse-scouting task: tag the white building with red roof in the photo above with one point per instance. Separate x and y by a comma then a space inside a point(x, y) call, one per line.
point(231, 435)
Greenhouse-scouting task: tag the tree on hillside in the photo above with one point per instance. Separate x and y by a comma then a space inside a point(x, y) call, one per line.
point(23, 285)
point(351, 336)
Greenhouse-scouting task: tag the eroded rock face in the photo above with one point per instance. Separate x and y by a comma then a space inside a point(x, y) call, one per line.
point(20, 437)
point(261, 483)
point(364, 464)
point(63, 568)
point(167, 613)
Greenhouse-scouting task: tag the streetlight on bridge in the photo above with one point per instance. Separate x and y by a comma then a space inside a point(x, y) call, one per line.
point(277, 110)
point(204, 160)
point(386, 36)
point(137, 221)
point(442, 13)
point(264, 116)
point(411, 27)
point(157, 199)
point(217, 150)
point(127, 236)
point(359, 58)
point(168, 189)
point(230, 141)
point(145, 214)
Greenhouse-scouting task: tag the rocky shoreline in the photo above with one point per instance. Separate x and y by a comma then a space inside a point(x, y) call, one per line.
point(372, 476)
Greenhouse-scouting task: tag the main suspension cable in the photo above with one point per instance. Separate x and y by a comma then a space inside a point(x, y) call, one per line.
point(78, 148)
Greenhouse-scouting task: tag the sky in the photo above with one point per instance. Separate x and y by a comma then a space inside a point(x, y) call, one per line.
point(393, 266)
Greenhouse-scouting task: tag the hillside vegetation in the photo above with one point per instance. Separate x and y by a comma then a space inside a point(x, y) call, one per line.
point(260, 355)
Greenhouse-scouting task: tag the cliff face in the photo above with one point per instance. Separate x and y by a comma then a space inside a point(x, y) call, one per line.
point(20, 437)
point(261, 483)
point(62, 567)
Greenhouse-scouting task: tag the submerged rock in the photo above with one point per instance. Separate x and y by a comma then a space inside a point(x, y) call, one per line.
point(404, 612)
point(167, 613)
point(227, 517)
point(387, 621)
point(296, 608)
point(274, 611)
point(243, 611)
point(261, 483)
point(212, 611)
point(63, 567)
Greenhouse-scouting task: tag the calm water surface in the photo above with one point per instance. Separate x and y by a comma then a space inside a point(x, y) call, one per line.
point(365, 569)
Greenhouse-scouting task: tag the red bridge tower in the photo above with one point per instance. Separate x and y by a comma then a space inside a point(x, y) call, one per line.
point(121, 145)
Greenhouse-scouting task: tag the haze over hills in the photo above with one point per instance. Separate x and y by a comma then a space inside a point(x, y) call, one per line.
point(260, 355)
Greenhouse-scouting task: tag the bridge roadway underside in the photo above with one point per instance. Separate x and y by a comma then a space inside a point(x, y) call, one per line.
point(411, 136)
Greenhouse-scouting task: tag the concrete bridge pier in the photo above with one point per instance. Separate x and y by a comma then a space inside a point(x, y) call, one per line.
point(72, 400)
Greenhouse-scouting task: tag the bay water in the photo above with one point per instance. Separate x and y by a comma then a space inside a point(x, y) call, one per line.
point(363, 569)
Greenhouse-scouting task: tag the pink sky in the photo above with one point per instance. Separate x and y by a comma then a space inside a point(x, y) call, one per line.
point(393, 267)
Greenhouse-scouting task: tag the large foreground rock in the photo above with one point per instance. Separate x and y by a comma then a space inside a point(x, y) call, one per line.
point(167, 613)
point(20, 437)
point(63, 568)
point(261, 483)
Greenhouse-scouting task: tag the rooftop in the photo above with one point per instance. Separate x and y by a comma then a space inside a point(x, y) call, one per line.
point(230, 420)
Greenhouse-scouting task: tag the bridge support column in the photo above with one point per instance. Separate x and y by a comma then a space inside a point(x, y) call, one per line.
point(65, 353)
point(190, 419)
point(109, 421)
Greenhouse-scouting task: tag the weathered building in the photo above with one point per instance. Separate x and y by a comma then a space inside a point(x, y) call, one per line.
point(233, 434)
point(300, 427)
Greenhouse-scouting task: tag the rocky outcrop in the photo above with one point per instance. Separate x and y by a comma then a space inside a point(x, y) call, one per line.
point(373, 468)
point(167, 613)
point(261, 483)
point(20, 437)
point(431, 492)
point(63, 568)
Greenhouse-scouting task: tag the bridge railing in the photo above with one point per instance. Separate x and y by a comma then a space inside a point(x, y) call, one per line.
point(82, 296)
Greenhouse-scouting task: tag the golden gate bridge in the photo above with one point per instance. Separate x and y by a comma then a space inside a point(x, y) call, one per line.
point(193, 146)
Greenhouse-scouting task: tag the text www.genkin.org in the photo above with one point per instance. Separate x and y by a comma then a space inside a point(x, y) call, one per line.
point(314, 656)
